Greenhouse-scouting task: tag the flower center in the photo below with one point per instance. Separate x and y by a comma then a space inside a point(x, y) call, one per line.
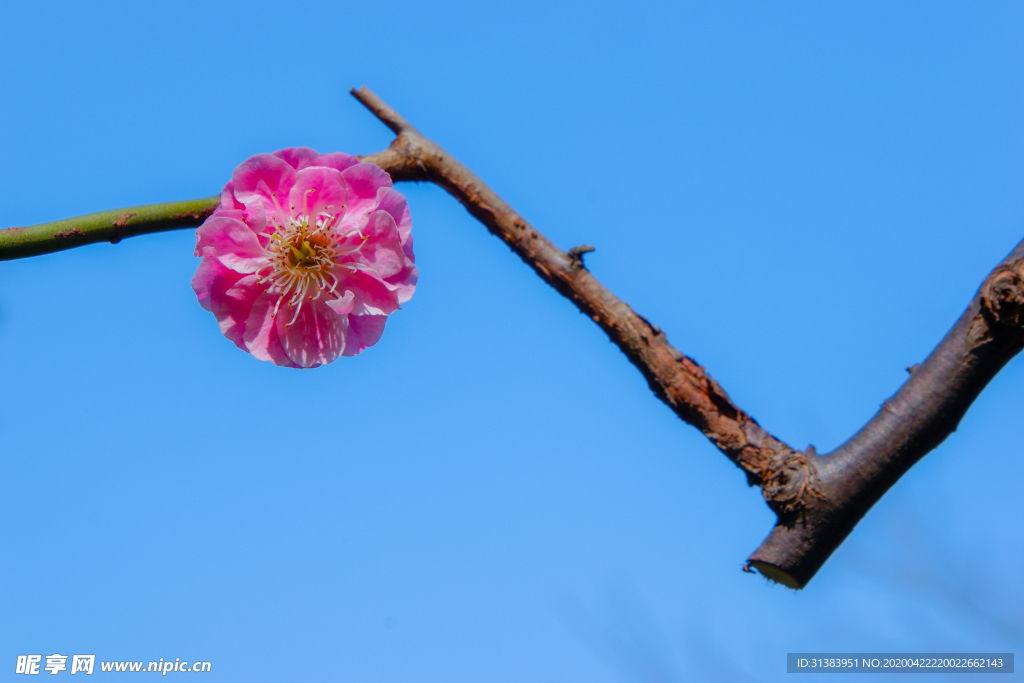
point(302, 255)
point(307, 251)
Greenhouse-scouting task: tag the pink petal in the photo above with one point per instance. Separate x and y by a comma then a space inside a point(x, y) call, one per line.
point(234, 307)
point(344, 305)
point(394, 203)
point(363, 331)
point(381, 245)
point(227, 197)
point(363, 180)
point(315, 336)
point(391, 261)
point(372, 295)
point(265, 177)
point(304, 157)
point(227, 294)
point(256, 216)
point(260, 334)
point(318, 189)
point(299, 157)
point(237, 214)
point(338, 161)
point(404, 283)
point(211, 280)
point(234, 243)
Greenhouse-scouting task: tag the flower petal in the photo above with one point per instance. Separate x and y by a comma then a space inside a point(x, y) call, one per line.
point(299, 157)
point(404, 283)
point(363, 180)
point(314, 336)
point(400, 273)
point(227, 294)
point(256, 216)
point(211, 280)
point(233, 242)
point(304, 157)
point(318, 189)
point(227, 197)
point(234, 308)
point(337, 160)
point(363, 331)
point(373, 296)
point(237, 214)
point(265, 177)
point(379, 245)
point(394, 203)
point(260, 334)
point(344, 305)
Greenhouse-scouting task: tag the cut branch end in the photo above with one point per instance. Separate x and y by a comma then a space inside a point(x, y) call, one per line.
point(775, 574)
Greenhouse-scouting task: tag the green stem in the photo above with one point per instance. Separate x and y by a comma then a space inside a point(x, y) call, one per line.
point(105, 226)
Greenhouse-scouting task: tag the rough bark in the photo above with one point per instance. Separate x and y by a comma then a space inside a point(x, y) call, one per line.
point(845, 484)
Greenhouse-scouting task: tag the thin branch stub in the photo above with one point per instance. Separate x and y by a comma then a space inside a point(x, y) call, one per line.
point(576, 255)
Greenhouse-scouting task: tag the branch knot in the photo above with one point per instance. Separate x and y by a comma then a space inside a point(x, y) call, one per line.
point(791, 476)
point(1003, 295)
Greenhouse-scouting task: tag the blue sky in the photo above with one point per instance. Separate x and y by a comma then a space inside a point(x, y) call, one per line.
point(803, 197)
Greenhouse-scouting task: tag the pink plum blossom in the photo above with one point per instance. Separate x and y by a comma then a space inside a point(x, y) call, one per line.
point(305, 257)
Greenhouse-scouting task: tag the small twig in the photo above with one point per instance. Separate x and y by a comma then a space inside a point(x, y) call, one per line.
point(576, 255)
point(105, 226)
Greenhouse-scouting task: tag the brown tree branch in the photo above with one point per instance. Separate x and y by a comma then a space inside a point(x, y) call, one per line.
point(676, 379)
point(926, 409)
point(818, 499)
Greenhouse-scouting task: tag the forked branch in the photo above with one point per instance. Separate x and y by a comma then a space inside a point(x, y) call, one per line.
point(818, 498)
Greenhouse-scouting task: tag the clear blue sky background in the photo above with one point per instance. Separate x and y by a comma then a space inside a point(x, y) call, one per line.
point(803, 196)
